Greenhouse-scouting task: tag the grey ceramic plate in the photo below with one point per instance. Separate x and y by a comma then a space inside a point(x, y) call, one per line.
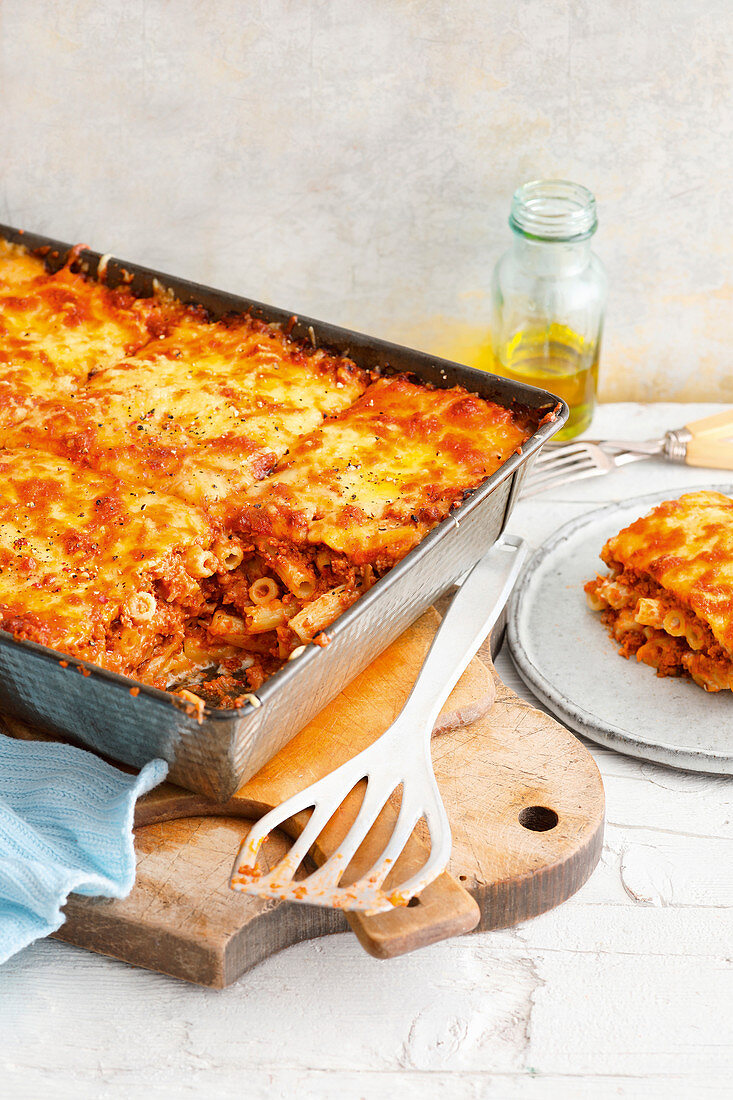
point(563, 653)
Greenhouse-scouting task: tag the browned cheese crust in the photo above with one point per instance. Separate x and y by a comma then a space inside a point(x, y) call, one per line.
point(183, 497)
point(669, 596)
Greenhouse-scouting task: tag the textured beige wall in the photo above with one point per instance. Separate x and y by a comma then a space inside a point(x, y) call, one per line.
point(354, 159)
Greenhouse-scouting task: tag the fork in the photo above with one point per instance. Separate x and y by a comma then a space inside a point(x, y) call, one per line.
point(560, 463)
point(707, 442)
point(400, 757)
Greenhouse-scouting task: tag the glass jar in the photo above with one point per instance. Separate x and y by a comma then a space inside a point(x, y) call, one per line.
point(549, 297)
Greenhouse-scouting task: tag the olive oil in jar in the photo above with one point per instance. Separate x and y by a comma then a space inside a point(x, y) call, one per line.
point(558, 360)
point(548, 297)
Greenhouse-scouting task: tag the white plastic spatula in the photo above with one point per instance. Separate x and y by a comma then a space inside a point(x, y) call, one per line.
point(399, 758)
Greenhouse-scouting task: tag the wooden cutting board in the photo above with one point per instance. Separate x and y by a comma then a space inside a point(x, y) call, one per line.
point(523, 795)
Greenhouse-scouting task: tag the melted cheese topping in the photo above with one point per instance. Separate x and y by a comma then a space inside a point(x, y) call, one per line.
point(205, 412)
point(75, 546)
point(56, 329)
point(177, 492)
point(371, 482)
point(686, 547)
point(18, 266)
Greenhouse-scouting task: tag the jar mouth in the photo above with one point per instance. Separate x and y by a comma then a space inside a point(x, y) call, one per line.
point(553, 210)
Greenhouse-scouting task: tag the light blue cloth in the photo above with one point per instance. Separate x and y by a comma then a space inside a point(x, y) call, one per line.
point(65, 825)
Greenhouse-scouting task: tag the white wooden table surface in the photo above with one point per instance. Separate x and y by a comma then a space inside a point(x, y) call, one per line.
point(626, 990)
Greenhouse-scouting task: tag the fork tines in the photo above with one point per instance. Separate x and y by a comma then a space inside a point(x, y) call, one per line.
point(565, 463)
point(323, 885)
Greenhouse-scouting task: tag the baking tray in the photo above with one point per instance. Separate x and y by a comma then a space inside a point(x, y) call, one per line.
point(217, 750)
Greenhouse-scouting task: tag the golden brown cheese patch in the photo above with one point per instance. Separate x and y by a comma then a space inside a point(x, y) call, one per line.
point(200, 414)
point(686, 547)
point(75, 546)
point(56, 329)
point(18, 266)
point(371, 482)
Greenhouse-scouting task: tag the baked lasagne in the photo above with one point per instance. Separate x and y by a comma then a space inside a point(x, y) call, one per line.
point(669, 596)
point(188, 501)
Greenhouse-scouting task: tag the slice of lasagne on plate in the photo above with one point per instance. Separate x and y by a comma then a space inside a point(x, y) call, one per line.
point(669, 597)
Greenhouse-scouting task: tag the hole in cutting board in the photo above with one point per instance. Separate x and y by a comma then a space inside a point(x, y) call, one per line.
point(539, 819)
point(413, 902)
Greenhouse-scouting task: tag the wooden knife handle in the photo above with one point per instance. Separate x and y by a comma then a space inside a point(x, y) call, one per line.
point(711, 444)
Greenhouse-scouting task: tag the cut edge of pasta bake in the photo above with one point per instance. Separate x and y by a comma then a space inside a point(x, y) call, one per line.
point(668, 599)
